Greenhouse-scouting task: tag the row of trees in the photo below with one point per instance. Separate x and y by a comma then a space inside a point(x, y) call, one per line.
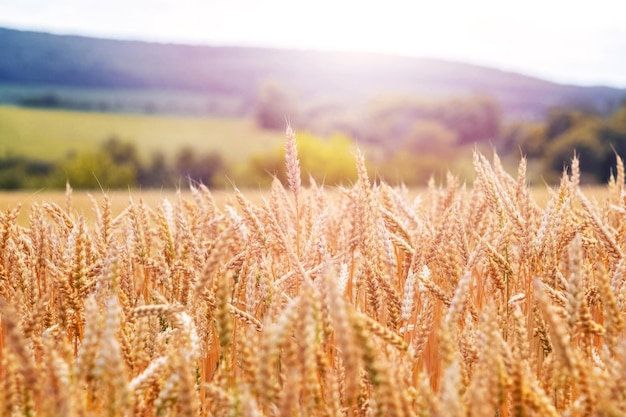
point(406, 140)
point(417, 137)
point(416, 122)
point(115, 164)
point(596, 140)
point(409, 121)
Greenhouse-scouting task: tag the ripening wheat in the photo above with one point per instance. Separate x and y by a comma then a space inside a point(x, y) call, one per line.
point(466, 301)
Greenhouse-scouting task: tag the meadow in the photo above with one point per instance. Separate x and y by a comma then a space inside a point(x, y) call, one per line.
point(49, 134)
point(367, 300)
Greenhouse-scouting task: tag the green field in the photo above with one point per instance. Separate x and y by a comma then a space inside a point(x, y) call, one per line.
point(52, 134)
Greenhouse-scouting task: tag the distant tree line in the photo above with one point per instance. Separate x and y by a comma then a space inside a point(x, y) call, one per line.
point(399, 118)
point(406, 139)
point(115, 164)
point(596, 140)
point(417, 137)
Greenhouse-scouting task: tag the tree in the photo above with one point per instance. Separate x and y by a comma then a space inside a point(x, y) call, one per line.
point(429, 136)
point(97, 169)
point(561, 120)
point(203, 168)
point(475, 118)
point(328, 161)
point(274, 106)
point(157, 173)
point(472, 119)
point(18, 172)
point(121, 152)
point(528, 137)
point(596, 141)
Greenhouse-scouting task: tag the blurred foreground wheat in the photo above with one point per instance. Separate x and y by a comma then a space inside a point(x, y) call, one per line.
point(362, 302)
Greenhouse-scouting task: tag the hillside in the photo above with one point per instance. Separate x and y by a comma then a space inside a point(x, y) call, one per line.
point(46, 135)
point(45, 70)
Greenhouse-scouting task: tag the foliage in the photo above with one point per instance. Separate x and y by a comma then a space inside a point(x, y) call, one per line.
point(328, 161)
point(156, 173)
point(594, 139)
point(203, 168)
point(561, 120)
point(97, 169)
point(409, 140)
point(275, 106)
point(19, 172)
point(410, 169)
point(115, 164)
point(472, 119)
point(529, 137)
point(417, 169)
point(429, 136)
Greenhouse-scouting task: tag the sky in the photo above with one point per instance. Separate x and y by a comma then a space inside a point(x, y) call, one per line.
point(574, 42)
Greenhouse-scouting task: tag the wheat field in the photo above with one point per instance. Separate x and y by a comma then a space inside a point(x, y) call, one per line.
point(464, 301)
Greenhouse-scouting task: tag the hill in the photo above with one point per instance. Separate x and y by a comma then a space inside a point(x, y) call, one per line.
point(45, 70)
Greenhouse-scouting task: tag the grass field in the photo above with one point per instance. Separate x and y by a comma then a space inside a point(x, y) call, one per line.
point(51, 134)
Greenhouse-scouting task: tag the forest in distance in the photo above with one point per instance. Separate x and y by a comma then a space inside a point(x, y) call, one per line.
point(417, 151)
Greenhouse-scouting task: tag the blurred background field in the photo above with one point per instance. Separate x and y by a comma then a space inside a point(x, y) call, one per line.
point(81, 203)
point(50, 135)
point(145, 112)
